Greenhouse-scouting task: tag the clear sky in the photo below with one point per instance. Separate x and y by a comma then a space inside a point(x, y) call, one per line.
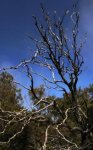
point(16, 21)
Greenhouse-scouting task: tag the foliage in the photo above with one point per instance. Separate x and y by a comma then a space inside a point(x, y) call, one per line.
point(10, 101)
point(10, 96)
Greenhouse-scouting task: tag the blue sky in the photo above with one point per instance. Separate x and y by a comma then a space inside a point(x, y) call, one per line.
point(16, 21)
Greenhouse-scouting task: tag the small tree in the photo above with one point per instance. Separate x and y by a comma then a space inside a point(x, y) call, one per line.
point(10, 96)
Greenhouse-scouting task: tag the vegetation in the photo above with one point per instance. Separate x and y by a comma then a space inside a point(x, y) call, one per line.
point(10, 96)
